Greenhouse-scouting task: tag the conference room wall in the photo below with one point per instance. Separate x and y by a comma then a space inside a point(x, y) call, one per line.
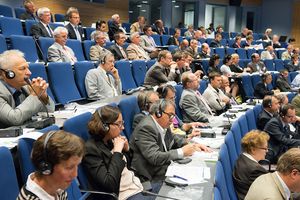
point(89, 12)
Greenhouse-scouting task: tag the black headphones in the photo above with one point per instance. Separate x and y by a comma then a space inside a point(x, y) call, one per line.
point(104, 125)
point(9, 74)
point(283, 110)
point(45, 167)
point(159, 111)
point(267, 102)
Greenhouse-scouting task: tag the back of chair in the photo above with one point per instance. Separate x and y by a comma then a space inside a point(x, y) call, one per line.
point(18, 41)
point(80, 69)
point(9, 188)
point(10, 26)
point(24, 151)
point(179, 90)
point(229, 141)
point(45, 43)
point(125, 74)
point(76, 46)
point(139, 69)
point(236, 130)
point(220, 181)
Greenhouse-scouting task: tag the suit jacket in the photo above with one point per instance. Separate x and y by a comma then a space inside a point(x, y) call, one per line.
point(173, 41)
point(137, 118)
point(193, 52)
point(135, 27)
point(236, 45)
point(103, 168)
point(266, 55)
point(39, 30)
point(117, 53)
point(291, 67)
point(263, 118)
point(97, 52)
point(282, 84)
point(211, 95)
point(215, 44)
point(158, 30)
point(150, 160)
point(15, 116)
point(260, 90)
point(98, 86)
point(280, 139)
point(257, 67)
point(236, 68)
point(112, 29)
point(56, 53)
point(28, 16)
point(203, 55)
point(266, 186)
point(193, 109)
point(136, 52)
point(244, 173)
point(148, 43)
point(72, 34)
point(158, 75)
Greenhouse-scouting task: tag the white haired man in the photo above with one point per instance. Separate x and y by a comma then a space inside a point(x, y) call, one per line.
point(42, 29)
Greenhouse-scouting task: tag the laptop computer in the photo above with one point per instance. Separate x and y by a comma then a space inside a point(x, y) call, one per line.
point(282, 38)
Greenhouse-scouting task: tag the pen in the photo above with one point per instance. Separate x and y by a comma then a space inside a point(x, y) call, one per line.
point(179, 177)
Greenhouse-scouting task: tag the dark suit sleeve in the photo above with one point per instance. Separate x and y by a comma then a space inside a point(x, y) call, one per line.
point(260, 91)
point(159, 75)
point(104, 175)
point(136, 120)
point(35, 31)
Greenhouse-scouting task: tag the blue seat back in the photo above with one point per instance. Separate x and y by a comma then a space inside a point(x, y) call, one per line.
point(225, 35)
point(78, 125)
point(279, 64)
point(87, 44)
point(250, 52)
point(242, 53)
point(243, 125)
point(217, 194)
point(80, 69)
point(269, 65)
point(19, 12)
point(220, 181)
point(232, 152)
point(165, 39)
point(156, 39)
point(88, 32)
point(255, 79)
point(220, 52)
point(139, 69)
point(126, 25)
point(224, 158)
point(45, 43)
point(49, 128)
point(8, 183)
point(76, 46)
point(18, 41)
point(10, 26)
point(236, 130)
point(28, 25)
point(203, 86)
point(150, 63)
point(62, 82)
point(251, 120)
point(6, 11)
point(125, 73)
point(230, 51)
point(3, 45)
point(39, 70)
point(59, 17)
point(247, 85)
point(179, 90)
point(172, 48)
point(292, 75)
point(129, 108)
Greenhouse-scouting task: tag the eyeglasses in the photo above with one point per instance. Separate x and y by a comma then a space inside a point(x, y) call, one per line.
point(170, 115)
point(263, 148)
point(120, 124)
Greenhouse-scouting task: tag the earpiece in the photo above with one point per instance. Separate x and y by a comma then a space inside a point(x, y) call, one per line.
point(9, 74)
point(159, 112)
point(45, 167)
point(104, 125)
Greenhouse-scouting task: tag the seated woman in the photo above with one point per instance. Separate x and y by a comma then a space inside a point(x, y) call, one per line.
point(247, 169)
point(105, 161)
point(56, 156)
point(213, 63)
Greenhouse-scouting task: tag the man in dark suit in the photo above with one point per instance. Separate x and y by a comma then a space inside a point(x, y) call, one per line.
point(217, 41)
point(74, 30)
point(117, 49)
point(163, 70)
point(114, 26)
point(282, 81)
point(261, 89)
point(154, 146)
point(42, 29)
point(270, 109)
point(158, 27)
point(281, 137)
point(205, 51)
point(30, 11)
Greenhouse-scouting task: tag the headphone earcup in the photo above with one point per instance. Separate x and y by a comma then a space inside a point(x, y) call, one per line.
point(10, 74)
point(158, 114)
point(105, 127)
point(45, 168)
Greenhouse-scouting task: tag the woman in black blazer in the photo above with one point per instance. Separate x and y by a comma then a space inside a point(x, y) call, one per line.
point(106, 161)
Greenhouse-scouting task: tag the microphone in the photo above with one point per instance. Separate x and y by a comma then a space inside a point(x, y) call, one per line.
point(44, 122)
point(224, 132)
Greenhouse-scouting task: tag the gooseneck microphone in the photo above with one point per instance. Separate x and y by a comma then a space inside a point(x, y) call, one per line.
point(44, 122)
point(224, 132)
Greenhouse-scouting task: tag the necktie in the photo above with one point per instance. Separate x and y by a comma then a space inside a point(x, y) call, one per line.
point(204, 102)
point(16, 97)
point(123, 52)
point(49, 31)
point(77, 33)
point(168, 140)
point(69, 55)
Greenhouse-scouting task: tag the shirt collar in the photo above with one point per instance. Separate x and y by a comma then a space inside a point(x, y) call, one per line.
point(159, 128)
point(250, 157)
point(11, 89)
point(287, 191)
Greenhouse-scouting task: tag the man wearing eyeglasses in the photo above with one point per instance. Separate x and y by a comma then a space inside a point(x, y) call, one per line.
point(75, 31)
point(280, 184)
point(155, 146)
point(281, 137)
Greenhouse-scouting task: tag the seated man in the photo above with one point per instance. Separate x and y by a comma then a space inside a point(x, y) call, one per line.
point(59, 52)
point(139, 25)
point(145, 99)
point(256, 65)
point(193, 104)
point(155, 146)
point(134, 50)
point(268, 54)
point(163, 70)
point(215, 98)
point(205, 51)
point(217, 41)
point(104, 81)
point(148, 43)
point(18, 102)
point(287, 55)
point(230, 91)
point(97, 51)
point(281, 137)
point(270, 109)
point(30, 12)
point(294, 64)
point(42, 29)
point(282, 82)
point(74, 30)
point(193, 48)
point(117, 49)
point(261, 89)
point(279, 184)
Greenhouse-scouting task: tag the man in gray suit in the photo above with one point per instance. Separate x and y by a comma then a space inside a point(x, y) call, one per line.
point(154, 145)
point(134, 50)
point(97, 51)
point(59, 52)
point(279, 184)
point(104, 81)
point(163, 70)
point(18, 102)
point(194, 106)
point(148, 43)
